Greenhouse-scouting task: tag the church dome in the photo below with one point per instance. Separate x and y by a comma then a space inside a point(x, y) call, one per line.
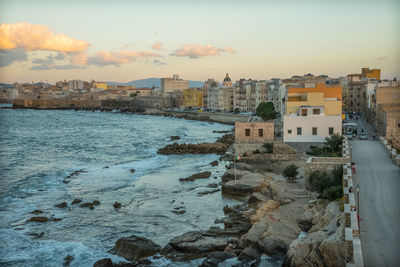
point(227, 79)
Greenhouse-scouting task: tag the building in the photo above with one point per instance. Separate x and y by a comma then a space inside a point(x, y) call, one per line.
point(225, 99)
point(312, 114)
point(243, 95)
point(227, 82)
point(388, 122)
point(99, 85)
point(371, 74)
point(250, 136)
point(356, 100)
point(172, 84)
point(192, 97)
point(76, 85)
point(212, 98)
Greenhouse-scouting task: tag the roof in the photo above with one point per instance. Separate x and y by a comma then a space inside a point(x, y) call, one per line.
point(329, 91)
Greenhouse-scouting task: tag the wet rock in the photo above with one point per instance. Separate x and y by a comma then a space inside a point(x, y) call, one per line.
point(77, 172)
point(229, 175)
point(38, 235)
point(61, 205)
point(67, 260)
point(215, 258)
point(179, 212)
point(233, 231)
point(56, 219)
point(213, 185)
point(132, 170)
point(202, 193)
point(175, 137)
point(66, 181)
point(214, 163)
point(76, 201)
point(104, 263)
point(206, 174)
point(223, 131)
point(135, 247)
point(258, 197)
point(87, 205)
point(218, 148)
point(106, 167)
point(117, 205)
point(37, 212)
point(96, 202)
point(38, 219)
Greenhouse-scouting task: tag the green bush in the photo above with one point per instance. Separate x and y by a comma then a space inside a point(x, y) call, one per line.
point(319, 180)
point(332, 192)
point(269, 147)
point(266, 111)
point(256, 151)
point(332, 147)
point(329, 186)
point(290, 171)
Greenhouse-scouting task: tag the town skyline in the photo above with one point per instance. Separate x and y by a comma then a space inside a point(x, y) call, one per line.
point(133, 40)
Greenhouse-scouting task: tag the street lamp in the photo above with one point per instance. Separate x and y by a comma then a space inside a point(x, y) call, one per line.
point(358, 205)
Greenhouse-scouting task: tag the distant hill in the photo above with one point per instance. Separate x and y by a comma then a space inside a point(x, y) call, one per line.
point(6, 85)
point(150, 82)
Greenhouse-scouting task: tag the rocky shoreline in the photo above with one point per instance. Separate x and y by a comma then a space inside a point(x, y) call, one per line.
point(279, 219)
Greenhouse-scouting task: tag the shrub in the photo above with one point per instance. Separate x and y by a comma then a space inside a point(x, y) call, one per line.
point(269, 147)
point(266, 111)
point(256, 151)
point(332, 147)
point(332, 192)
point(319, 180)
point(290, 171)
point(329, 186)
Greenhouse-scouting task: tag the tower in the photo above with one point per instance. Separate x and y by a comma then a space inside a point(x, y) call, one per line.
point(227, 81)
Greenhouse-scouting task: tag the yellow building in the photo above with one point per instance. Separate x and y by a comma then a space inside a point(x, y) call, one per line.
point(192, 97)
point(373, 74)
point(100, 85)
point(328, 96)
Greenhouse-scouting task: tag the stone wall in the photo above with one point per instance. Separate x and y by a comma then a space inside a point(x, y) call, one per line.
point(55, 103)
point(255, 129)
point(281, 151)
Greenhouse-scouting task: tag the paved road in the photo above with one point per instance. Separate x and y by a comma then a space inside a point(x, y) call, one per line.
point(379, 181)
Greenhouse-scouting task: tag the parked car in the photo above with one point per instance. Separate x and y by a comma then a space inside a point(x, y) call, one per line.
point(349, 135)
point(362, 136)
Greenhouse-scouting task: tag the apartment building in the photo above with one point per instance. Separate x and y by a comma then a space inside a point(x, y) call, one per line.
point(192, 97)
point(313, 113)
point(173, 84)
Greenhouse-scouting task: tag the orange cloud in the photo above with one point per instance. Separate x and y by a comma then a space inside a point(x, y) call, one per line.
point(229, 49)
point(196, 51)
point(157, 46)
point(103, 58)
point(37, 37)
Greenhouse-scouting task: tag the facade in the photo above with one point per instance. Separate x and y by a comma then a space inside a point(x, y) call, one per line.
point(74, 85)
point(388, 122)
point(357, 93)
point(99, 85)
point(312, 114)
point(242, 96)
point(192, 97)
point(252, 135)
point(172, 84)
point(371, 74)
point(212, 98)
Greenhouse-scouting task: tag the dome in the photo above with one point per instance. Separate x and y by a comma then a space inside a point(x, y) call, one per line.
point(227, 79)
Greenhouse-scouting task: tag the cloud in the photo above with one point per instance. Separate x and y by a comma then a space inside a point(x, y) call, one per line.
point(196, 51)
point(382, 58)
point(7, 57)
point(54, 67)
point(104, 58)
point(229, 50)
point(49, 60)
point(37, 37)
point(59, 56)
point(158, 62)
point(157, 46)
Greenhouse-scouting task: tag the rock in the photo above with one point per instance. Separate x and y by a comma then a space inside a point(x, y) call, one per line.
point(132, 170)
point(38, 235)
point(267, 207)
point(135, 247)
point(179, 212)
point(195, 243)
point(76, 201)
point(104, 263)
point(218, 148)
point(214, 163)
point(325, 247)
point(37, 212)
point(175, 137)
point(245, 186)
point(66, 181)
point(38, 219)
point(61, 205)
point(106, 167)
point(88, 204)
point(202, 193)
point(67, 260)
point(215, 258)
point(257, 197)
point(206, 174)
point(213, 185)
point(56, 219)
point(96, 202)
point(229, 175)
point(233, 231)
point(117, 205)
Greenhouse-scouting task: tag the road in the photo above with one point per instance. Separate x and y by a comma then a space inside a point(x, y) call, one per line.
point(379, 181)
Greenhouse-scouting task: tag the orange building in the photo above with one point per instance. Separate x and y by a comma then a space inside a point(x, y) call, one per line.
point(373, 74)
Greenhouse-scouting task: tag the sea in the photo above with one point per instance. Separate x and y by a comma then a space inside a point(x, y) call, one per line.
point(40, 149)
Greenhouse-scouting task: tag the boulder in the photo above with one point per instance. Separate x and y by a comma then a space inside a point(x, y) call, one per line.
point(96, 202)
point(76, 201)
point(267, 207)
point(61, 205)
point(37, 212)
point(135, 248)
point(325, 247)
point(194, 242)
point(229, 175)
point(132, 170)
point(38, 219)
point(67, 260)
point(218, 148)
point(215, 258)
point(206, 174)
point(245, 186)
point(175, 137)
point(214, 163)
point(87, 205)
point(117, 205)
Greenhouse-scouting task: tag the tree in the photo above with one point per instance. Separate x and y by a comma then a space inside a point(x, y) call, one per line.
point(266, 111)
point(334, 142)
point(290, 172)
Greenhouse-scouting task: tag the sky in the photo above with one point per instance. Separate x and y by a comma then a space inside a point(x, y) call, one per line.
point(128, 40)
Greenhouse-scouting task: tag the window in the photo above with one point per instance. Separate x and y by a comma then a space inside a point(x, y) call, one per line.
point(260, 132)
point(316, 111)
point(304, 112)
point(314, 131)
point(247, 132)
point(298, 130)
point(398, 125)
point(289, 131)
point(330, 130)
